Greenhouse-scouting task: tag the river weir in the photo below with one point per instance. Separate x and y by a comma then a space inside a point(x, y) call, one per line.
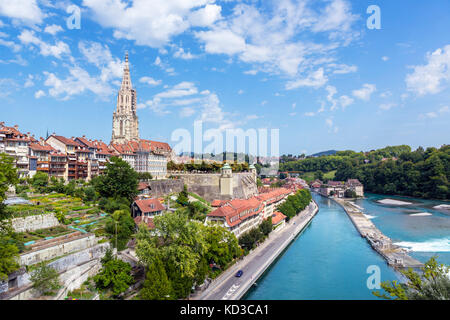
point(395, 256)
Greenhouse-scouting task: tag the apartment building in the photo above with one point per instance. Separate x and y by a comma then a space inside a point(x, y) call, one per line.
point(242, 215)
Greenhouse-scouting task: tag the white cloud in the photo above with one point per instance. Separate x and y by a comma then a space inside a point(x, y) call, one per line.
point(316, 80)
point(56, 50)
point(187, 112)
point(365, 92)
point(343, 68)
point(151, 23)
point(435, 114)
point(310, 114)
point(205, 16)
point(38, 94)
point(100, 55)
point(10, 44)
point(384, 58)
point(29, 82)
point(53, 29)
point(345, 101)
point(150, 81)
point(180, 53)
point(77, 82)
point(221, 41)
point(158, 62)
point(432, 77)
point(240, 91)
point(387, 106)
point(26, 11)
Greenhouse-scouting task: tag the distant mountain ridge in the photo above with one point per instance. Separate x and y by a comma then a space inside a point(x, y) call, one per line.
point(324, 153)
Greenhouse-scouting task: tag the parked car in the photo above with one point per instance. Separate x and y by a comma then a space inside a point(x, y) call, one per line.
point(239, 273)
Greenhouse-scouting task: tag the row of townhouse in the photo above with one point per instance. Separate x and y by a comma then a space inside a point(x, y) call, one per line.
point(79, 158)
point(241, 215)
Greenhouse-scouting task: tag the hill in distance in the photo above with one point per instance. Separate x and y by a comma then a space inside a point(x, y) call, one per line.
point(324, 153)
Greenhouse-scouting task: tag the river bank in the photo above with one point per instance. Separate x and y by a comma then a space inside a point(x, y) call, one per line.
point(228, 287)
point(395, 256)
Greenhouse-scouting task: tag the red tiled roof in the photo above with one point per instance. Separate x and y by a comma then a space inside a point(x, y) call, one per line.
point(86, 142)
point(335, 183)
point(277, 217)
point(67, 141)
point(218, 203)
point(147, 220)
point(149, 205)
point(39, 147)
point(142, 186)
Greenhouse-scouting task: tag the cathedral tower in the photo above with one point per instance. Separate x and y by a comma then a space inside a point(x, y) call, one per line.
point(125, 120)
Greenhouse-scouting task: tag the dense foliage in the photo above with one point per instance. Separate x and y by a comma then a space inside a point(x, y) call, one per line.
point(421, 173)
point(119, 180)
point(120, 227)
point(205, 167)
point(295, 203)
point(185, 248)
point(391, 170)
point(115, 275)
point(432, 283)
point(252, 238)
point(8, 176)
point(45, 279)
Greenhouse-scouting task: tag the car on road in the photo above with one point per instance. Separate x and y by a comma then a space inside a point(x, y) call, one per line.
point(239, 273)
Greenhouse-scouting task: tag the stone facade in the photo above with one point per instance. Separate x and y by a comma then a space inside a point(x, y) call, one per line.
point(36, 222)
point(125, 119)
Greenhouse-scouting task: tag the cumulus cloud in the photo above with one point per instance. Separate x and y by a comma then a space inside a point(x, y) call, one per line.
point(150, 81)
point(432, 77)
point(26, 11)
point(38, 94)
point(57, 50)
point(152, 23)
point(316, 80)
point(53, 29)
point(365, 92)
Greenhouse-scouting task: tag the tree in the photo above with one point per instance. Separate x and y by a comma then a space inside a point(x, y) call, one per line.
point(145, 176)
point(8, 177)
point(183, 198)
point(432, 284)
point(115, 275)
point(120, 227)
point(45, 279)
point(156, 285)
point(318, 175)
point(266, 226)
point(119, 180)
point(8, 251)
point(40, 181)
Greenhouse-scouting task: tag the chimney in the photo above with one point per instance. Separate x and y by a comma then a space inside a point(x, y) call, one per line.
point(16, 126)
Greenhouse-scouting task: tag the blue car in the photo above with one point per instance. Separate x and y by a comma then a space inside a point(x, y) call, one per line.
point(239, 273)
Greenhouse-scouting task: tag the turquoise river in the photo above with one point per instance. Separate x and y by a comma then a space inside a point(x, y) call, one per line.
point(330, 260)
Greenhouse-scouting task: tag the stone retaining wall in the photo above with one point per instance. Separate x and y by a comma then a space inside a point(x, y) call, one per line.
point(36, 222)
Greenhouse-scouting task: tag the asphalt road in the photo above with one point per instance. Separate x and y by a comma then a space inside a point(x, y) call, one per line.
point(229, 287)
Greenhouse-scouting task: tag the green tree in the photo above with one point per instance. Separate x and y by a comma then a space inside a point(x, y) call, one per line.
point(266, 226)
point(40, 181)
point(115, 275)
point(8, 177)
point(432, 284)
point(156, 285)
point(8, 250)
point(120, 227)
point(318, 175)
point(45, 279)
point(119, 180)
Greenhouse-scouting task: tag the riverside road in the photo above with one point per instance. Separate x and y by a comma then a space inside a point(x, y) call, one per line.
point(229, 287)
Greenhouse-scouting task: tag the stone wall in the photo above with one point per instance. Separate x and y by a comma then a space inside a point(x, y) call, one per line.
point(159, 188)
point(208, 185)
point(73, 270)
point(65, 247)
point(31, 223)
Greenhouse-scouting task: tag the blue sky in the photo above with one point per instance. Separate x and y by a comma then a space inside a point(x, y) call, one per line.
point(311, 69)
